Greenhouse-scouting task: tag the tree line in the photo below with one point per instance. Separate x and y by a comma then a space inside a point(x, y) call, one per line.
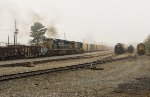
point(147, 44)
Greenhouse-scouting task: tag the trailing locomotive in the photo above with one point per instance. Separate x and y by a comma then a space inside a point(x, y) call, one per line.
point(141, 49)
point(120, 48)
point(61, 47)
point(130, 49)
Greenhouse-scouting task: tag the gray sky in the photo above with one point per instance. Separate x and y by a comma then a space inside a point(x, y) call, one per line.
point(102, 21)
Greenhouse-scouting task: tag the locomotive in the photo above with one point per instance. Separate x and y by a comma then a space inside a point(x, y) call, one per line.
point(49, 47)
point(120, 48)
point(141, 49)
point(60, 47)
point(130, 49)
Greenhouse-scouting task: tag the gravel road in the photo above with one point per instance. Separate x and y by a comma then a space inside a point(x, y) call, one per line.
point(117, 79)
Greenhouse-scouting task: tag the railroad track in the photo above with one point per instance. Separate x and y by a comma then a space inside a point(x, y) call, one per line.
point(29, 62)
point(76, 66)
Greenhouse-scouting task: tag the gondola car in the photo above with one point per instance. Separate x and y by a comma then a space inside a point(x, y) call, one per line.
point(19, 51)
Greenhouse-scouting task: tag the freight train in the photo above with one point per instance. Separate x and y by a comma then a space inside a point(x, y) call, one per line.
point(121, 48)
point(141, 49)
point(50, 47)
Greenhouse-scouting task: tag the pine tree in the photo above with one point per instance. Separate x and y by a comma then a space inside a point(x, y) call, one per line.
point(37, 32)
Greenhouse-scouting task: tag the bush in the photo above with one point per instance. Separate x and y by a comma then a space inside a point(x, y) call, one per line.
point(147, 45)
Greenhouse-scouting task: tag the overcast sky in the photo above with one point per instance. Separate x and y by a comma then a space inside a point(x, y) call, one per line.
point(102, 21)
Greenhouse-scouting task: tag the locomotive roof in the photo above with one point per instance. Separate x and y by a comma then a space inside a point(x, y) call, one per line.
point(51, 39)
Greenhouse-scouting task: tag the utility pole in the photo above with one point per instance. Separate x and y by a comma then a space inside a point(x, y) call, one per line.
point(8, 40)
point(16, 32)
point(65, 36)
point(14, 40)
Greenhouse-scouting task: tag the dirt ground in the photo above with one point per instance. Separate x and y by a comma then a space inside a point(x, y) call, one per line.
point(117, 79)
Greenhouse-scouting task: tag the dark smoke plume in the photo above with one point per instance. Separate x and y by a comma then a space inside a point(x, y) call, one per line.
point(52, 32)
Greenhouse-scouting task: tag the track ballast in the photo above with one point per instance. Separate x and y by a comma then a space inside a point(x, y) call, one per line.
point(90, 65)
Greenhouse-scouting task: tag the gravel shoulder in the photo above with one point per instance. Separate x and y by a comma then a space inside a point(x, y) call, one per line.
point(118, 79)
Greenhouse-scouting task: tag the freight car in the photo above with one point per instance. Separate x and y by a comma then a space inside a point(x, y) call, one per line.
point(130, 49)
point(19, 51)
point(94, 47)
point(141, 49)
point(120, 48)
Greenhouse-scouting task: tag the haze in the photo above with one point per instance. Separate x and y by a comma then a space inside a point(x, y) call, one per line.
point(101, 21)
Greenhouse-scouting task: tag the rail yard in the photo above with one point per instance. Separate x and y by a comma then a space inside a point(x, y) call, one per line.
point(113, 76)
point(60, 68)
point(74, 48)
point(31, 69)
point(86, 71)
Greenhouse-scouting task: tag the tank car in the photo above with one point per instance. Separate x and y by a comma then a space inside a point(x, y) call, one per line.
point(141, 49)
point(120, 48)
point(130, 49)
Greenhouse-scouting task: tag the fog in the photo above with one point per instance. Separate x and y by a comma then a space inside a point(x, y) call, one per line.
point(100, 21)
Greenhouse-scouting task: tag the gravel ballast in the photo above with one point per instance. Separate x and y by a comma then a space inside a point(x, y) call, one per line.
point(117, 79)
